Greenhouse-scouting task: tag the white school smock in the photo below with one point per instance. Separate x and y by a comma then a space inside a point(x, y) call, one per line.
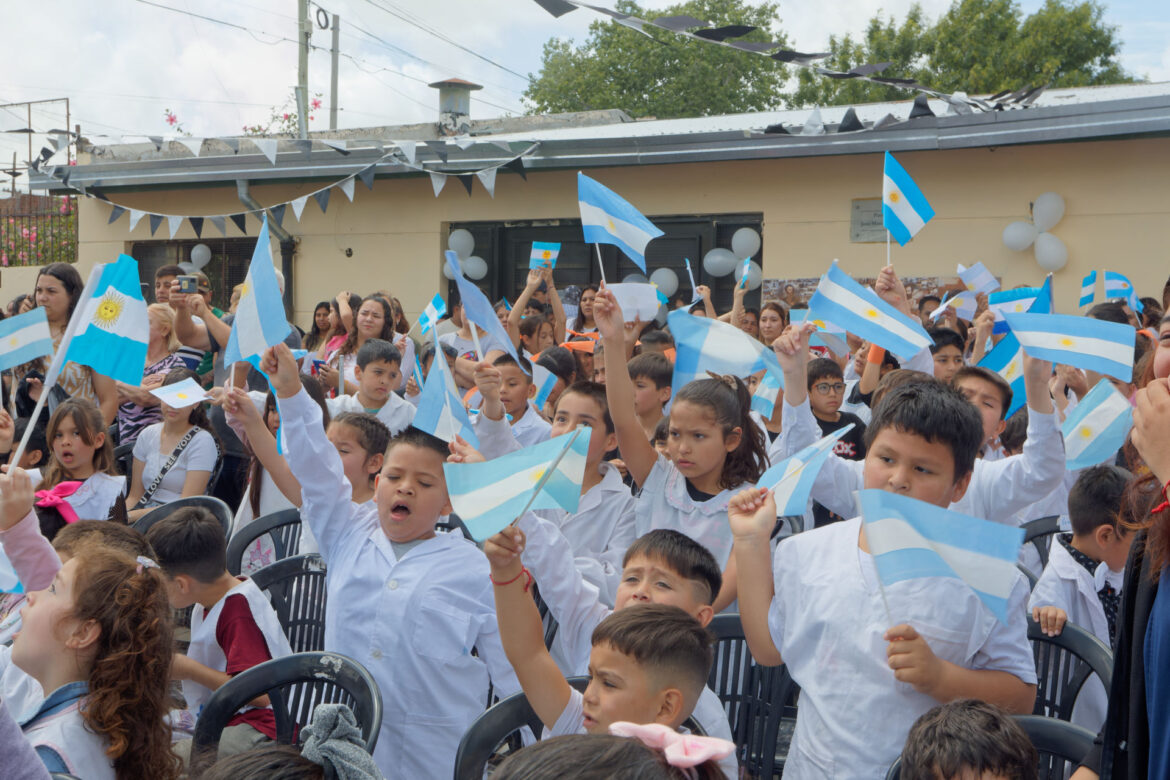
point(665, 503)
point(206, 650)
point(827, 620)
point(94, 499)
point(1068, 585)
point(18, 690)
point(396, 414)
point(64, 732)
point(531, 428)
point(412, 622)
point(998, 489)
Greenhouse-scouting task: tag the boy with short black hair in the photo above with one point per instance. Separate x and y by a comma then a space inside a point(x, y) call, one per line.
point(947, 351)
point(826, 391)
point(992, 396)
point(379, 372)
point(656, 340)
point(162, 282)
point(817, 604)
point(406, 602)
point(233, 626)
point(926, 306)
point(968, 738)
point(651, 374)
point(509, 390)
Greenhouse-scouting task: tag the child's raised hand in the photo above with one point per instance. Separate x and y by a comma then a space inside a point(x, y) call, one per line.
point(752, 514)
point(462, 452)
point(7, 430)
point(703, 291)
point(534, 278)
point(281, 367)
point(238, 404)
point(791, 346)
point(912, 660)
point(503, 552)
point(411, 387)
point(891, 290)
point(608, 315)
point(487, 381)
point(16, 497)
point(1051, 619)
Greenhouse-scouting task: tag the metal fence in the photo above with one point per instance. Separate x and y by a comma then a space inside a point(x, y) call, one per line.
point(38, 230)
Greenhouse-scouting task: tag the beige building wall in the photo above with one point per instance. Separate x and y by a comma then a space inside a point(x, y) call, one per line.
point(1117, 216)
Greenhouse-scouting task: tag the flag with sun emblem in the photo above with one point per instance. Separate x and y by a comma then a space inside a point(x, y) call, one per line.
point(1097, 428)
point(260, 321)
point(113, 328)
point(1083, 342)
point(1007, 360)
point(24, 337)
point(905, 210)
point(845, 303)
point(607, 218)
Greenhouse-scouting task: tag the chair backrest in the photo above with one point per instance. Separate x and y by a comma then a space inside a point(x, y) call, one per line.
point(454, 523)
point(124, 458)
point(546, 618)
point(1064, 663)
point(296, 589)
point(1032, 578)
point(283, 529)
point(1061, 746)
point(295, 685)
point(502, 720)
point(1040, 532)
point(756, 698)
point(217, 508)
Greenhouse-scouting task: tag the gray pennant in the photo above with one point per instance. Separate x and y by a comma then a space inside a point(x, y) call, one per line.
point(814, 125)
point(298, 206)
point(267, 147)
point(220, 224)
point(196, 225)
point(303, 145)
point(885, 121)
point(174, 223)
point(155, 221)
point(337, 146)
point(409, 150)
point(367, 176)
point(157, 140)
point(678, 23)
point(438, 180)
point(503, 145)
point(464, 142)
point(135, 217)
point(277, 213)
point(439, 148)
point(467, 180)
point(346, 186)
point(115, 212)
point(241, 221)
point(517, 166)
point(487, 178)
point(322, 198)
point(850, 123)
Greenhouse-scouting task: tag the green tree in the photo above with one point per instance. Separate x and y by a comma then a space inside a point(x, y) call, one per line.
point(669, 76)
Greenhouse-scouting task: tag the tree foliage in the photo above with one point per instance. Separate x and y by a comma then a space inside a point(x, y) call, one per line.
point(669, 76)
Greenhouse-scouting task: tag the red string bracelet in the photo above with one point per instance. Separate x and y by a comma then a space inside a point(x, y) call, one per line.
point(1162, 507)
point(523, 573)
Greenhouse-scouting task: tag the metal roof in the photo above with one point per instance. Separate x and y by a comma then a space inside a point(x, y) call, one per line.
point(1088, 113)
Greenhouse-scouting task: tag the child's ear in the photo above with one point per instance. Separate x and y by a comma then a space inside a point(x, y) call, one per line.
point(374, 466)
point(670, 708)
point(99, 439)
point(1000, 428)
point(610, 442)
point(531, 390)
point(959, 489)
point(1104, 535)
point(731, 440)
point(357, 372)
point(84, 636)
point(663, 394)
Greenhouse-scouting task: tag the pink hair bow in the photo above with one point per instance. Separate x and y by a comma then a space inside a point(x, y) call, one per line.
point(55, 499)
point(681, 750)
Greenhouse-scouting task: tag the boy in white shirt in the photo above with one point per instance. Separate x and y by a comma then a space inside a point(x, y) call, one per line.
point(871, 658)
point(1086, 572)
point(515, 391)
point(464, 344)
point(407, 603)
point(379, 372)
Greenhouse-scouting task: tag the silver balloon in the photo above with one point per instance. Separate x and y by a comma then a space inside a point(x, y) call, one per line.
point(1019, 235)
point(447, 269)
point(719, 262)
point(475, 267)
point(667, 281)
point(1047, 211)
point(1051, 253)
point(745, 242)
point(200, 255)
point(635, 279)
point(461, 242)
point(755, 274)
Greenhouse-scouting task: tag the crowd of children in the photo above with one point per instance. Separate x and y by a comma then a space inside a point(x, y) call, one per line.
point(672, 527)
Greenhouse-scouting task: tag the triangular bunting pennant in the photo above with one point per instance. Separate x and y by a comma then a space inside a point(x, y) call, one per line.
point(814, 125)
point(304, 145)
point(277, 213)
point(346, 186)
point(466, 179)
point(267, 147)
point(135, 217)
point(503, 145)
point(241, 221)
point(438, 180)
point(157, 140)
point(155, 221)
point(464, 142)
point(220, 224)
point(65, 176)
point(192, 144)
point(298, 206)
point(517, 166)
point(850, 122)
point(115, 212)
point(439, 148)
point(196, 225)
point(487, 178)
point(100, 195)
point(322, 198)
point(367, 175)
point(338, 146)
point(174, 223)
point(409, 150)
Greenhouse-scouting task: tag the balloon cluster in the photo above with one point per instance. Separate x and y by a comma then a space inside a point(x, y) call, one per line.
point(1051, 253)
point(745, 242)
point(200, 256)
point(462, 243)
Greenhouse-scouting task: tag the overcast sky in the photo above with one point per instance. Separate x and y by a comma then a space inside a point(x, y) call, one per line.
point(123, 62)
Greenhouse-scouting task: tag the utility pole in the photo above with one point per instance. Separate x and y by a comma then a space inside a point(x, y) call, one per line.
point(304, 30)
point(335, 51)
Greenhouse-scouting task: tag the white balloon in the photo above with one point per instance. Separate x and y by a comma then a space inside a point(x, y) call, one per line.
point(447, 269)
point(200, 255)
point(474, 267)
point(188, 268)
point(667, 281)
point(635, 279)
point(1051, 253)
point(745, 242)
point(1019, 235)
point(1047, 211)
point(755, 274)
point(719, 262)
point(461, 242)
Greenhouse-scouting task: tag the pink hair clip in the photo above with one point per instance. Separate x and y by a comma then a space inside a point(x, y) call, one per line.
point(681, 750)
point(144, 563)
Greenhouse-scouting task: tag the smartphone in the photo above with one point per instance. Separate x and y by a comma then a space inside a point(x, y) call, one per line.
point(188, 285)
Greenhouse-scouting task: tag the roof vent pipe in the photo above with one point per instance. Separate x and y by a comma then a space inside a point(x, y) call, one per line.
point(454, 106)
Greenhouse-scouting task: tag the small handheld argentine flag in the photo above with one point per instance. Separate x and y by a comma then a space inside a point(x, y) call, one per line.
point(978, 279)
point(910, 539)
point(24, 337)
point(905, 210)
point(1037, 300)
point(1097, 428)
point(1087, 291)
point(845, 303)
point(1094, 345)
point(764, 398)
point(544, 255)
point(545, 381)
point(9, 580)
point(703, 345)
point(607, 218)
point(433, 312)
point(260, 321)
point(180, 395)
point(1007, 360)
point(440, 409)
point(113, 330)
point(791, 480)
point(1118, 286)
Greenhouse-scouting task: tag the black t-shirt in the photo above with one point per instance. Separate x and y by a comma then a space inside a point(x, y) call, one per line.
point(697, 495)
point(851, 446)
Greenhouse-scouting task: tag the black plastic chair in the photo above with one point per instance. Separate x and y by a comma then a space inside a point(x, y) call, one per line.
point(124, 459)
point(1032, 578)
point(283, 528)
point(295, 685)
point(296, 588)
point(499, 723)
point(454, 523)
point(547, 620)
point(1039, 533)
point(1061, 746)
point(217, 508)
point(1064, 663)
point(757, 699)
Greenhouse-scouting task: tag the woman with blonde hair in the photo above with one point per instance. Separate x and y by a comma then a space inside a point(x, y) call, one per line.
point(138, 408)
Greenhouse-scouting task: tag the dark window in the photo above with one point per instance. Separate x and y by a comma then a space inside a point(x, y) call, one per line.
point(228, 267)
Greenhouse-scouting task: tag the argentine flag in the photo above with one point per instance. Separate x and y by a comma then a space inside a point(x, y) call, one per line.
point(1097, 428)
point(478, 309)
point(1087, 285)
point(845, 303)
point(489, 496)
point(764, 398)
point(113, 328)
point(544, 255)
point(1007, 360)
point(792, 479)
point(910, 539)
point(963, 303)
point(828, 335)
point(545, 381)
point(978, 279)
point(1037, 300)
point(260, 321)
point(9, 580)
point(703, 345)
point(433, 312)
point(904, 207)
point(25, 337)
point(607, 218)
point(1094, 345)
point(440, 409)
point(180, 395)
point(1117, 286)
